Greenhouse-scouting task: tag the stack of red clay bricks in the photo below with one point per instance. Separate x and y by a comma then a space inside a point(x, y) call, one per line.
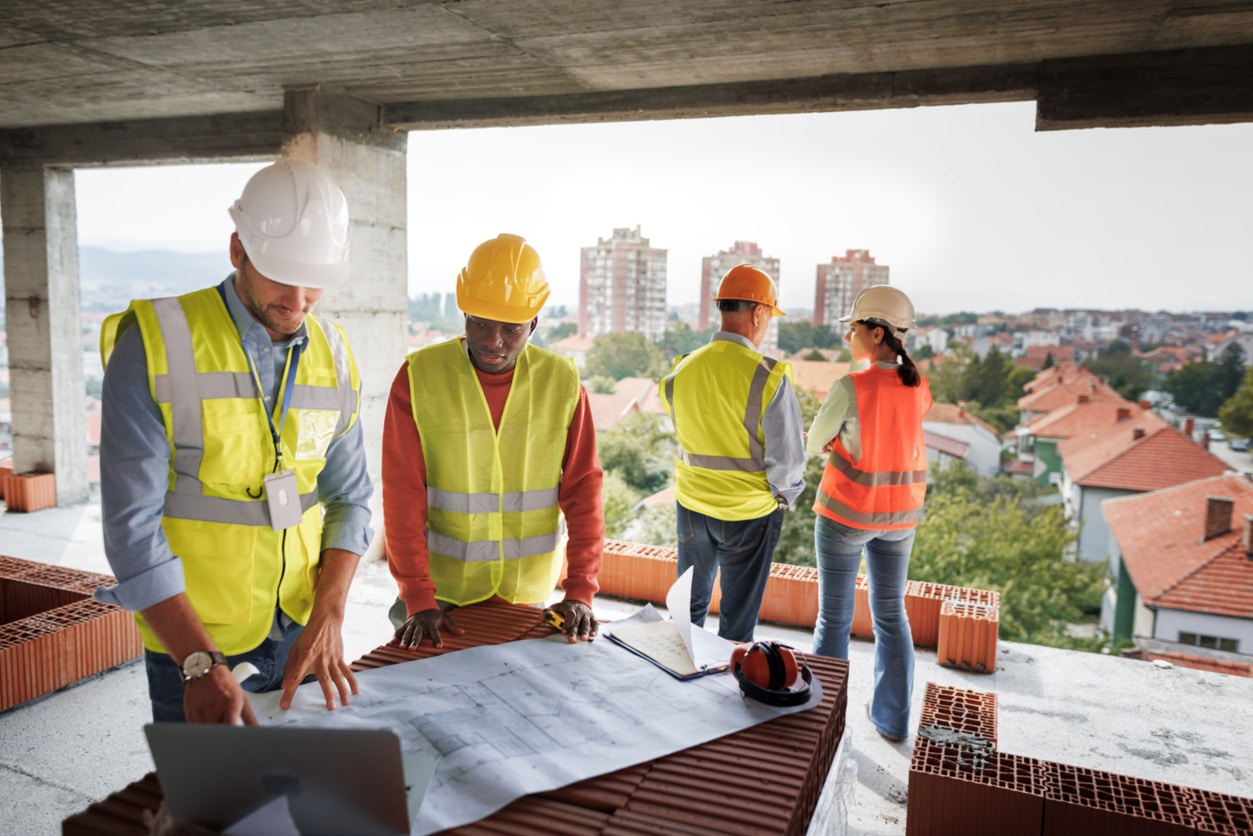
point(959, 782)
point(761, 781)
point(27, 491)
point(52, 633)
point(961, 624)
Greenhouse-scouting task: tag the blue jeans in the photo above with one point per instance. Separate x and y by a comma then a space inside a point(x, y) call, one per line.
point(839, 551)
point(743, 550)
point(165, 680)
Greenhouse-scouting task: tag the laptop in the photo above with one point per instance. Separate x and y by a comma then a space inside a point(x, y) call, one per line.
point(336, 781)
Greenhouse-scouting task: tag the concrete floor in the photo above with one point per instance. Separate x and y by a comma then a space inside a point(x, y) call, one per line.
point(60, 753)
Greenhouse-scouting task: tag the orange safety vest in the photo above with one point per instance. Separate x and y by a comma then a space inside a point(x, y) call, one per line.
point(886, 488)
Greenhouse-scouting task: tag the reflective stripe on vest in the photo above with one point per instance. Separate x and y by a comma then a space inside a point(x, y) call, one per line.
point(494, 525)
point(886, 489)
point(237, 568)
point(756, 460)
point(717, 396)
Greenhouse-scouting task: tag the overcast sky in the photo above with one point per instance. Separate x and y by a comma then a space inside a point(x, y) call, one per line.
point(969, 206)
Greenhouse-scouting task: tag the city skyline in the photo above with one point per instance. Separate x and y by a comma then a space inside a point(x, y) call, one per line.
point(968, 206)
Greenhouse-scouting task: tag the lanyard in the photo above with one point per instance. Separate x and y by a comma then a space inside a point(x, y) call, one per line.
point(293, 362)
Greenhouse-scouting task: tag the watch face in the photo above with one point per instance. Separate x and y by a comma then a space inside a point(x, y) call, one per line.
point(197, 665)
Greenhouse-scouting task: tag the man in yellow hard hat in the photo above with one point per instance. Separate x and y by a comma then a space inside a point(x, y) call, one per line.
point(489, 450)
point(234, 491)
point(741, 453)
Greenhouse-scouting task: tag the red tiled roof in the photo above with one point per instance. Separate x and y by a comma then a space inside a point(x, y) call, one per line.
point(630, 394)
point(1048, 397)
point(1202, 663)
point(817, 376)
point(1081, 418)
point(1159, 534)
point(944, 444)
point(1114, 458)
point(1037, 355)
point(952, 413)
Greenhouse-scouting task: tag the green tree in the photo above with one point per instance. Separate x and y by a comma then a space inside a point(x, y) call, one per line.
point(657, 526)
point(1229, 371)
point(620, 501)
point(624, 355)
point(995, 534)
point(796, 539)
point(560, 331)
point(680, 339)
point(1126, 373)
point(640, 449)
point(793, 336)
point(1237, 412)
point(1193, 388)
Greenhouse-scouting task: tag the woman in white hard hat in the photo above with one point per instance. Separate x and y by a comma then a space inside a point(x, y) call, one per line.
point(871, 496)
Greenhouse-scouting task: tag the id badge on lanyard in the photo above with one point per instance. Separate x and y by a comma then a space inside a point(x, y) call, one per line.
point(282, 495)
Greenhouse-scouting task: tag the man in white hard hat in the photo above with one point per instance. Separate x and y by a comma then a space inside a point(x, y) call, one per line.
point(489, 451)
point(741, 453)
point(233, 478)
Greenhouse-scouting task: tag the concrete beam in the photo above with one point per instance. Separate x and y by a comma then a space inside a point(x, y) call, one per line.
point(228, 137)
point(44, 330)
point(865, 91)
point(1181, 87)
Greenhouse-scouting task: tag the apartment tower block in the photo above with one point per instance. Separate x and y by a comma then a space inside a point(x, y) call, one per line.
point(839, 282)
point(622, 286)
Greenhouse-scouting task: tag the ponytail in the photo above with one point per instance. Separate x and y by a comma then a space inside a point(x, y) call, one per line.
point(905, 369)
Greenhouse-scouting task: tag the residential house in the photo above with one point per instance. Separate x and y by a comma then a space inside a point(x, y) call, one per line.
point(575, 347)
point(1242, 339)
point(1183, 567)
point(941, 450)
point(1167, 359)
point(1059, 386)
point(1036, 356)
point(982, 452)
point(629, 395)
point(1038, 440)
point(1144, 453)
point(817, 376)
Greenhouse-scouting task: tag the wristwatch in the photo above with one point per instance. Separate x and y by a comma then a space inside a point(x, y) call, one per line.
point(199, 663)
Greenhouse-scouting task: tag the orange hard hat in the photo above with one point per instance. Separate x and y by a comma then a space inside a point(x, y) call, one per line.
point(748, 283)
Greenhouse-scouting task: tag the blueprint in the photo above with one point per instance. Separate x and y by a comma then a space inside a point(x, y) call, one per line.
point(529, 716)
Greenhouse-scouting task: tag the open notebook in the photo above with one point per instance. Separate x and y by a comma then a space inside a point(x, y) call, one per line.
point(329, 780)
point(675, 645)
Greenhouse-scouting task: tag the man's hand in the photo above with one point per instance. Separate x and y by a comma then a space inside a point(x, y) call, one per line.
point(217, 698)
point(319, 652)
point(428, 623)
point(580, 623)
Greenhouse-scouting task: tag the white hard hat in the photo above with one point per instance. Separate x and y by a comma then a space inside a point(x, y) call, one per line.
point(884, 305)
point(293, 223)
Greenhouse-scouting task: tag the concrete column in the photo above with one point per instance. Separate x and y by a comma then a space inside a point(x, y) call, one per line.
point(368, 161)
point(39, 218)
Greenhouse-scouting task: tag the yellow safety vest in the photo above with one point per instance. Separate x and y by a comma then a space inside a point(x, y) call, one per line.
point(237, 568)
point(716, 396)
point(493, 523)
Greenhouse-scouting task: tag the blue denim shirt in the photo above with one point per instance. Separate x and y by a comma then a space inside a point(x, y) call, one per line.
point(134, 468)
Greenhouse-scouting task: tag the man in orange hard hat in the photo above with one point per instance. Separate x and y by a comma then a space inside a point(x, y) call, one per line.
point(741, 453)
point(489, 450)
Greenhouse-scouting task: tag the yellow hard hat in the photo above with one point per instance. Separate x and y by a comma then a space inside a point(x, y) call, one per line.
point(746, 282)
point(503, 281)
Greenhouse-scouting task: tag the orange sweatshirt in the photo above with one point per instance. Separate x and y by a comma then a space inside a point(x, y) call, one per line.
point(404, 494)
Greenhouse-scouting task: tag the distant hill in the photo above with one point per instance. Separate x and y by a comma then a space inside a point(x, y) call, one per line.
point(110, 279)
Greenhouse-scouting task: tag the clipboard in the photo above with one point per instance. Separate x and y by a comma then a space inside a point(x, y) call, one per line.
point(675, 645)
